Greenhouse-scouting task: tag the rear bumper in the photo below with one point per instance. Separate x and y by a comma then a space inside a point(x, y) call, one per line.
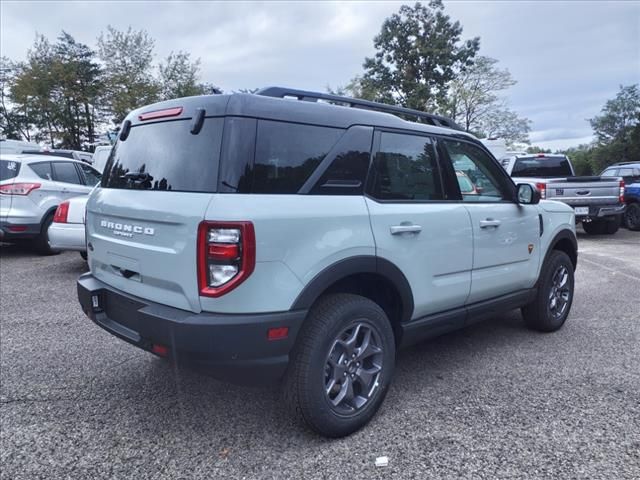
point(67, 236)
point(599, 211)
point(10, 231)
point(231, 347)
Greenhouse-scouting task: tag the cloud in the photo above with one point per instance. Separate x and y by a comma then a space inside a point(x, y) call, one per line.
point(568, 57)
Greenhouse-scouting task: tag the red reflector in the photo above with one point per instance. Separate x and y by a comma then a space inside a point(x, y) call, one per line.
point(167, 112)
point(61, 213)
point(160, 350)
point(277, 333)
point(17, 228)
point(223, 251)
point(540, 155)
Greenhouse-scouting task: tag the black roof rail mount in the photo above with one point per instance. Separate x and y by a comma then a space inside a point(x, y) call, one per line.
point(307, 96)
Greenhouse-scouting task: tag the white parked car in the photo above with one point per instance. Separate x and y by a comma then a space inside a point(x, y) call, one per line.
point(67, 229)
point(100, 157)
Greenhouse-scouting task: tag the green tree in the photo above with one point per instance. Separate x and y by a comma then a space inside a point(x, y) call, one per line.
point(128, 63)
point(618, 116)
point(179, 77)
point(504, 123)
point(418, 53)
point(474, 101)
point(78, 86)
point(13, 123)
point(534, 149)
point(32, 93)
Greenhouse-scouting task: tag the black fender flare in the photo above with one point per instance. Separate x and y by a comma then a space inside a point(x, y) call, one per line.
point(565, 234)
point(351, 266)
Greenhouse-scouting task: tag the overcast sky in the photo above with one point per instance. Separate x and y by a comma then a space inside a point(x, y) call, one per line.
point(568, 57)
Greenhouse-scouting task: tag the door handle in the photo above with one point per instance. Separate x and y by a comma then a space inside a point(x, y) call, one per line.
point(489, 222)
point(399, 229)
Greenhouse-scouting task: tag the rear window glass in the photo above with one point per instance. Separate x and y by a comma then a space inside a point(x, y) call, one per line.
point(166, 156)
point(9, 169)
point(542, 167)
point(42, 169)
point(66, 172)
point(286, 154)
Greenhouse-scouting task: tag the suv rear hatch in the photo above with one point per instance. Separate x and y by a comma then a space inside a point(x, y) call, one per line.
point(142, 222)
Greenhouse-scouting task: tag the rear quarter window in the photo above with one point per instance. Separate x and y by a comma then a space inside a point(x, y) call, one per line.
point(9, 169)
point(166, 156)
point(272, 157)
point(42, 169)
point(287, 154)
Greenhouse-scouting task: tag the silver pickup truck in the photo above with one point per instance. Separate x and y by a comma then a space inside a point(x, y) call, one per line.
point(597, 201)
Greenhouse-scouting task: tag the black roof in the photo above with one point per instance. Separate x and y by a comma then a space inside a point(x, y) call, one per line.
point(274, 107)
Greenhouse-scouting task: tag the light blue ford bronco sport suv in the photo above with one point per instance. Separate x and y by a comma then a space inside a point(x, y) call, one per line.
point(305, 237)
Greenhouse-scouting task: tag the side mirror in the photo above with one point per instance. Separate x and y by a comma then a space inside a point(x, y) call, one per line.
point(527, 194)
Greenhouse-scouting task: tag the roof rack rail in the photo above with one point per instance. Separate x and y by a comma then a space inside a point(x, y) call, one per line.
point(307, 96)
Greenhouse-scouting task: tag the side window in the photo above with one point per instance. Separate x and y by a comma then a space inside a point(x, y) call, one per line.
point(347, 171)
point(478, 175)
point(405, 168)
point(91, 176)
point(611, 172)
point(286, 154)
point(43, 170)
point(625, 172)
point(66, 172)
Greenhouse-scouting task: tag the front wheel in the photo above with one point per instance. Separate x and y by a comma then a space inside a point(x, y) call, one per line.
point(342, 365)
point(550, 309)
point(632, 216)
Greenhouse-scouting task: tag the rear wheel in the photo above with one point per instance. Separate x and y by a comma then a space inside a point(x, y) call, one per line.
point(341, 367)
point(41, 242)
point(594, 227)
point(632, 216)
point(612, 224)
point(550, 309)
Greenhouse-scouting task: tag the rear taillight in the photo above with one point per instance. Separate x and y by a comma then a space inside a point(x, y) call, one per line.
point(621, 197)
point(62, 213)
point(542, 188)
point(226, 256)
point(18, 188)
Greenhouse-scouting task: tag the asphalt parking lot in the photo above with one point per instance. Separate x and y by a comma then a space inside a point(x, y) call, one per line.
point(492, 401)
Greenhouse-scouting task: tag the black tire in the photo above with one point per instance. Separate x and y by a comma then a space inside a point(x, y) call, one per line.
point(632, 216)
point(539, 314)
point(594, 227)
point(41, 242)
point(84, 255)
point(612, 224)
point(315, 364)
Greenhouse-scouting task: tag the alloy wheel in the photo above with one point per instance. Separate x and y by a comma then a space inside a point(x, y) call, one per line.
point(353, 368)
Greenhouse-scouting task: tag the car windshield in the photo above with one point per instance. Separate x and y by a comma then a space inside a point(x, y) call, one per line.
point(9, 169)
point(543, 167)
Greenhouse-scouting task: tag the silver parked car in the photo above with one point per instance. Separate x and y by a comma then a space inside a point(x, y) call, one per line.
point(31, 188)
